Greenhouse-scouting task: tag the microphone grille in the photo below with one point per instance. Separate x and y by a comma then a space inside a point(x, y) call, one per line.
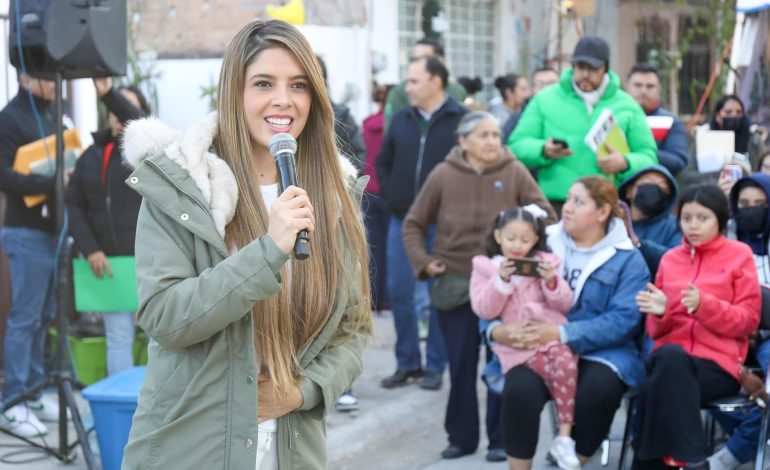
point(281, 143)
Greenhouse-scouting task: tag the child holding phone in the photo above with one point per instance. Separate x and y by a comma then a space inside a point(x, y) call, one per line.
point(498, 292)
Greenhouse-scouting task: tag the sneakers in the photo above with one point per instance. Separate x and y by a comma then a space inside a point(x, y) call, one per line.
point(563, 452)
point(21, 421)
point(723, 460)
point(347, 402)
point(47, 408)
point(401, 377)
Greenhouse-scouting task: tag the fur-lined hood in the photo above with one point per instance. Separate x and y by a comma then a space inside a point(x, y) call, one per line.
point(190, 150)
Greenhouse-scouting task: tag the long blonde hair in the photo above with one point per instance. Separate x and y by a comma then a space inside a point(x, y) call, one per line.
point(284, 324)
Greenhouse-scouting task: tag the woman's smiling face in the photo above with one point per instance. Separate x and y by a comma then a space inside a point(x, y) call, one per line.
point(276, 96)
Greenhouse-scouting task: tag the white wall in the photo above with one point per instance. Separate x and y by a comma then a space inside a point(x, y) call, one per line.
point(348, 65)
point(179, 89)
point(383, 29)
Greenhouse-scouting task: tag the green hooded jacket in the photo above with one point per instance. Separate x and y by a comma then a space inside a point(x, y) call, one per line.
point(558, 112)
point(198, 405)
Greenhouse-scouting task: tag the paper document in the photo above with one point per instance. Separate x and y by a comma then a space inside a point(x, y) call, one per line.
point(606, 131)
point(39, 157)
point(713, 149)
point(108, 294)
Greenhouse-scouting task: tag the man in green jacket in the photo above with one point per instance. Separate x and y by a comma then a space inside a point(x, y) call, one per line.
point(566, 113)
point(397, 97)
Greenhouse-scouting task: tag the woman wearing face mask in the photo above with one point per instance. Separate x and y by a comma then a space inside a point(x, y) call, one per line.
point(701, 310)
point(651, 194)
point(730, 115)
point(749, 207)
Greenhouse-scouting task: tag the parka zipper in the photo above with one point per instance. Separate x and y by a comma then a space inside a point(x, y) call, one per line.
point(418, 169)
point(692, 281)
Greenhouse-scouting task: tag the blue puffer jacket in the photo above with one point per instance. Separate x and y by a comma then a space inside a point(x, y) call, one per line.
point(660, 233)
point(604, 322)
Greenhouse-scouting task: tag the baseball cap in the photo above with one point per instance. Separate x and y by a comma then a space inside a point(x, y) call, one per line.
point(592, 50)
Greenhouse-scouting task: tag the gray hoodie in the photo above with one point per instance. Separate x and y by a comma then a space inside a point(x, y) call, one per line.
point(575, 258)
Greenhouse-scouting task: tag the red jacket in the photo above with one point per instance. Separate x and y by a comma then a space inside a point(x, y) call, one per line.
point(724, 273)
point(373, 132)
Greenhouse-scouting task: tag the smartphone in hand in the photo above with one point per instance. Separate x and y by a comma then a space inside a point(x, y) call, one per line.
point(525, 266)
point(560, 142)
point(733, 172)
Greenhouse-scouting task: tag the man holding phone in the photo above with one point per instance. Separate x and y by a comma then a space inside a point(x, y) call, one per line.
point(550, 135)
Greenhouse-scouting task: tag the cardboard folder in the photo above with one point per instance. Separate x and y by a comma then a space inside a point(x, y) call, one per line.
point(39, 157)
point(116, 293)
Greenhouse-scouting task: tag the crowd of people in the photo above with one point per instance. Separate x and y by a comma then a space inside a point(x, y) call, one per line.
point(580, 277)
point(631, 288)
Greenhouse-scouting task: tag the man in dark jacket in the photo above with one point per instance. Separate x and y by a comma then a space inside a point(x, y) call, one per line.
point(29, 242)
point(419, 138)
point(669, 132)
point(398, 98)
point(651, 194)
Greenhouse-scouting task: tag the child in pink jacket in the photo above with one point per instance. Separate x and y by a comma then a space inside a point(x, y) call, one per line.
point(498, 292)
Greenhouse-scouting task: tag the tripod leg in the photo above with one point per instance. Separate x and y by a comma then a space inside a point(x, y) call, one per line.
point(67, 397)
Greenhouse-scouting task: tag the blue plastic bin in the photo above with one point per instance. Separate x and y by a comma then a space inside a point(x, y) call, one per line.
point(113, 402)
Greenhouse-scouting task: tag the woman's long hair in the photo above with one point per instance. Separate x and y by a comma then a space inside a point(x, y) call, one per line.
point(284, 324)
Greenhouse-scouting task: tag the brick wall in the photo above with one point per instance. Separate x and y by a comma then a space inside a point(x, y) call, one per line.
point(202, 28)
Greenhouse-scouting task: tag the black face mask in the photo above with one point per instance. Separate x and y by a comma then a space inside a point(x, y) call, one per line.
point(732, 123)
point(751, 220)
point(650, 199)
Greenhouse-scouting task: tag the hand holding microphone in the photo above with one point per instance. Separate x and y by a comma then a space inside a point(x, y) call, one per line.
point(290, 214)
point(291, 217)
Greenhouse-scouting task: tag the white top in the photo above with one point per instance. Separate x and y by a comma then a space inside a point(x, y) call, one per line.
point(269, 196)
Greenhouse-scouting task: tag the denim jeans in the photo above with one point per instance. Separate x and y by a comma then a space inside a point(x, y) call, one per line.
point(376, 221)
point(119, 329)
point(744, 425)
point(401, 290)
point(31, 256)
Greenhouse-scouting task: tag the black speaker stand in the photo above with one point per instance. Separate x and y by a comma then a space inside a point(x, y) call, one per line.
point(60, 376)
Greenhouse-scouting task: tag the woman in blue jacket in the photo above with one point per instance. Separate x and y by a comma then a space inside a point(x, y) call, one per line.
point(605, 271)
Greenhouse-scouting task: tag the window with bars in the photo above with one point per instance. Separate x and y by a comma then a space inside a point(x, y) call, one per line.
point(469, 42)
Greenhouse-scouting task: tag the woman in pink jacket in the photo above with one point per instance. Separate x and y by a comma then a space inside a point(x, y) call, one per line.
point(497, 290)
point(702, 308)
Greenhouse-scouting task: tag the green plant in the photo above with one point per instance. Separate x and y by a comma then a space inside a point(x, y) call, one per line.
point(712, 21)
point(210, 93)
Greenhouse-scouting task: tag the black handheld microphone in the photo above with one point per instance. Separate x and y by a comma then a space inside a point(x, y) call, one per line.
point(283, 147)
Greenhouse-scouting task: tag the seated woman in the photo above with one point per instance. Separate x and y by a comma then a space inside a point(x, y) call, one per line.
point(605, 272)
point(703, 306)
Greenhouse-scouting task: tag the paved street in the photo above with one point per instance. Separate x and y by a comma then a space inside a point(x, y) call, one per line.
point(394, 430)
